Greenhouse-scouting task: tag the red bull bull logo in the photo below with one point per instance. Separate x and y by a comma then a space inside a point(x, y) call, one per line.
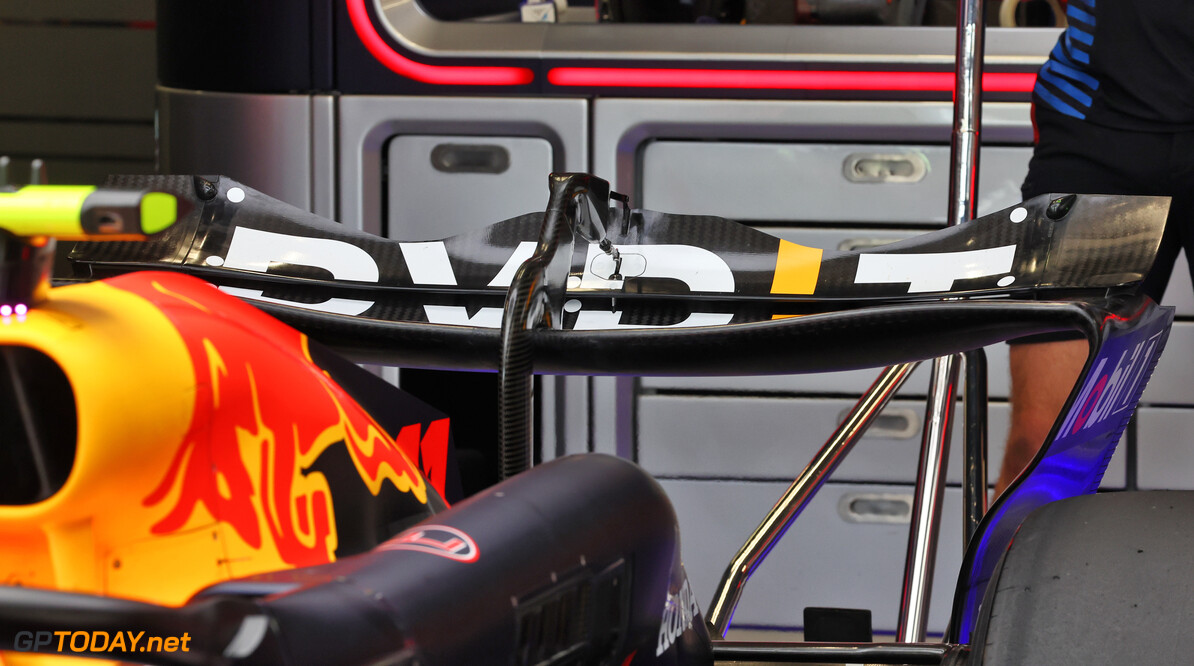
point(264, 413)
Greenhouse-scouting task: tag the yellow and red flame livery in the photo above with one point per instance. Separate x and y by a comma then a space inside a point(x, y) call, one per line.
point(199, 420)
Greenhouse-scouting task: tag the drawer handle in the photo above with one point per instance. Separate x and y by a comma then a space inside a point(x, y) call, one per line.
point(891, 423)
point(885, 167)
point(470, 158)
point(876, 508)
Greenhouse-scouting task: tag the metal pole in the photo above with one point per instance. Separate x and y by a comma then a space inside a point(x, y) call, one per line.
point(963, 195)
point(742, 652)
point(926, 508)
point(964, 141)
point(777, 521)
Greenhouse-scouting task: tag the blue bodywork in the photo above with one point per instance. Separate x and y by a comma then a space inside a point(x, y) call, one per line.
point(1081, 444)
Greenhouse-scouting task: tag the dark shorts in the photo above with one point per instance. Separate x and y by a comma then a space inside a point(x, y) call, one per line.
point(1074, 156)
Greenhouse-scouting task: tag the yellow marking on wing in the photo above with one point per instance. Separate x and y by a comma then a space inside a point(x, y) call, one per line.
point(796, 268)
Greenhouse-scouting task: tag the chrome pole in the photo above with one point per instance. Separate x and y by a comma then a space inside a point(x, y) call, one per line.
point(777, 521)
point(963, 196)
point(926, 507)
point(964, 148)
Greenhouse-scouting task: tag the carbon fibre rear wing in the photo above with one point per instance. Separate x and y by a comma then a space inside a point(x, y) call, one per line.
point(439, 303)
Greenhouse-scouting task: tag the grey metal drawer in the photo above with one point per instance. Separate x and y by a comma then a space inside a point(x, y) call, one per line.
point(776, 437)
point(1172, 382)
point(838, 553)
point(824, 182)
point(381, 138)
point(1165, 448)
point(443, 185)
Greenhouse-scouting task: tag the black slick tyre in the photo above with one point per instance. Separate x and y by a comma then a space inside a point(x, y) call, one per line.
point(1098, 579)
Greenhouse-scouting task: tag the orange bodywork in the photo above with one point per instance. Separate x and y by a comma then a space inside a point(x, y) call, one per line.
point(198, 418)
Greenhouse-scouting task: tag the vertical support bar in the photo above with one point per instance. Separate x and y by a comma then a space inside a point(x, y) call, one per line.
point(534, 299)
point(974, 481)
point(777, 521)
point(964, 148)
point(963, 197)
point(926, 507)
point(37, 172)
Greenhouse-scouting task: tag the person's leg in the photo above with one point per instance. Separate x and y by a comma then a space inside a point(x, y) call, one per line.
point(1043, 374)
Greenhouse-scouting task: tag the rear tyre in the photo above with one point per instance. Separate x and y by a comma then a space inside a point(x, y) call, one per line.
point(1098, 579)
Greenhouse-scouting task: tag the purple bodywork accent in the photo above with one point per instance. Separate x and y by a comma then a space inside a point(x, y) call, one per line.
point(1081, 446)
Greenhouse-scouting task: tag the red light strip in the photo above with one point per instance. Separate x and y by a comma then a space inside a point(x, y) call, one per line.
point(627, 77)
point(438, 74)
point(780, 79)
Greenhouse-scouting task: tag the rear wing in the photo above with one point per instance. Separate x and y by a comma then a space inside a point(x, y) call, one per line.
point(625, 284)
